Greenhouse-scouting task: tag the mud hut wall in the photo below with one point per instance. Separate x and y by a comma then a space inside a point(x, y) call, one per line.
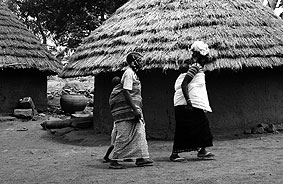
point(242, 100)
point(18, 84)
point(157, 93)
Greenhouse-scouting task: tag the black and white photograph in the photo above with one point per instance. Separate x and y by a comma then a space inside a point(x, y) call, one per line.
point(141, 91)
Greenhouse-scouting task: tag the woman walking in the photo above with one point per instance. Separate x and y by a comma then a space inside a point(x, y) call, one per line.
point(192, 131)
point(126, 108)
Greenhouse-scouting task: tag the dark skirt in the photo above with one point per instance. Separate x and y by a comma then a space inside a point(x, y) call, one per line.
point(192, 130)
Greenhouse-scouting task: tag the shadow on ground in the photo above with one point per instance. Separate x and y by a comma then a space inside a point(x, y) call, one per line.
point(80, 137)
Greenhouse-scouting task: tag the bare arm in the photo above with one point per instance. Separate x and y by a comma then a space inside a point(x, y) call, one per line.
point(185, 91)
point(184, 86)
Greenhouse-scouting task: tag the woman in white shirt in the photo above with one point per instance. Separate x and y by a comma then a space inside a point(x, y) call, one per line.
point(192, 132)
point(126, 108)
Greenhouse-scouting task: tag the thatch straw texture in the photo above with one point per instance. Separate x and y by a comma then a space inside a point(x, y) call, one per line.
point(240, 33)
point(20, 49)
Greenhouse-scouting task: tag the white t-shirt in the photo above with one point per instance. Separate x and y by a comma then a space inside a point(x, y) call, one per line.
point(197, 91)
point(128, 78)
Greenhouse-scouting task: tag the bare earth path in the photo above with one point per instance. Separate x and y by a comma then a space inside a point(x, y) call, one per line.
point(37, 156)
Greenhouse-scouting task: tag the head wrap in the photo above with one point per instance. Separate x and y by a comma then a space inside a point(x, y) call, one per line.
point(201, 47)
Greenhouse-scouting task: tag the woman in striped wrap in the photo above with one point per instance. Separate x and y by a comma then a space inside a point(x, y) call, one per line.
point(126, 108)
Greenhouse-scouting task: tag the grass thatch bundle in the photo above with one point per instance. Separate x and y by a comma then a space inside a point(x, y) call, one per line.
point(20, 49)
point(240, 33)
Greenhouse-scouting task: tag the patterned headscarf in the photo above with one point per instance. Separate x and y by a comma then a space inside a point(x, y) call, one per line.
point(201, 47)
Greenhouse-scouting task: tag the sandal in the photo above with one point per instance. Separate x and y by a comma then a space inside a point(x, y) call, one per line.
point(144, 162)
point(205, 155)
point(177, 159)
point(116, 166)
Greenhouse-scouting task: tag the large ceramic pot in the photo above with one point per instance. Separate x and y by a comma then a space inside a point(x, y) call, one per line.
point(71, 103)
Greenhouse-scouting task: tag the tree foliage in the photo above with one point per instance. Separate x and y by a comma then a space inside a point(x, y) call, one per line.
point(68, 21)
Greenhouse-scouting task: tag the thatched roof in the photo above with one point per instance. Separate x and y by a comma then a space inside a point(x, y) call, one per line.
point(20, 49)
point(240, 33)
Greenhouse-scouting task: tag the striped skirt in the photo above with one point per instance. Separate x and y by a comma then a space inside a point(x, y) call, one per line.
point(130, 141)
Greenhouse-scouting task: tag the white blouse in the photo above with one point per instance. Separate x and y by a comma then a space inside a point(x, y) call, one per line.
point(197, 91)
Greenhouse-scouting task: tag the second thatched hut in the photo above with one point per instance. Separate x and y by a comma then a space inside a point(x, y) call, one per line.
point(25, 64)
point(244, 84)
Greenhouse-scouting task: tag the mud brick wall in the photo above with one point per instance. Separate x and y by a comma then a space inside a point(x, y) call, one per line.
point(244, 99)
point(239, 100)
point(18, 84)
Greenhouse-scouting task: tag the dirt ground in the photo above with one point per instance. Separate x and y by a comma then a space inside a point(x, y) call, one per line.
point(29, 155)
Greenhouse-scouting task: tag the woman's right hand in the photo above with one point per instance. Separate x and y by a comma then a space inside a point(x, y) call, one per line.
point(189, 105)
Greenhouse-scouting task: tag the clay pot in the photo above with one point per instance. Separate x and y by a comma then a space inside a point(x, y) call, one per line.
point(71, 103)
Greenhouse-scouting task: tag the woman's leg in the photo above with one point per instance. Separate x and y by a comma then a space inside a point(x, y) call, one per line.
point(111, 147)
point(108, 152)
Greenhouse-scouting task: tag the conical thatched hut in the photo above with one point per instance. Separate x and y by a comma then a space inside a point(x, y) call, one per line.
point(244, 84)
point(24, 62)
